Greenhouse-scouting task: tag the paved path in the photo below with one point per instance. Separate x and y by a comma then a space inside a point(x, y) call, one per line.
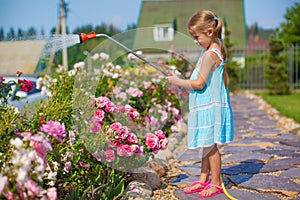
point(262, 163)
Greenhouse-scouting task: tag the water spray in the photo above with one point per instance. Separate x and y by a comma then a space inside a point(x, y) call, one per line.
point(85, 37)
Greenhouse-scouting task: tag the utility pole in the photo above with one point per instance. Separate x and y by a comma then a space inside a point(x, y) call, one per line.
point(63, 17)
point(60, 27)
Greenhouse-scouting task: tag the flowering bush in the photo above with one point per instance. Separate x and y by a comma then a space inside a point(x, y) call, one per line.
point(93, 129)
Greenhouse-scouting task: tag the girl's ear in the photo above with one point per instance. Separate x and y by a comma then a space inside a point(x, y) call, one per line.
point(210, 32)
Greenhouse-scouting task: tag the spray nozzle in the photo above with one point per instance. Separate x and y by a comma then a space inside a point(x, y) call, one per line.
point(84, 37)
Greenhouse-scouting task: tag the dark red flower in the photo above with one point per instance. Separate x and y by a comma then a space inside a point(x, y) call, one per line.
point(18, 73)
point(25, 85)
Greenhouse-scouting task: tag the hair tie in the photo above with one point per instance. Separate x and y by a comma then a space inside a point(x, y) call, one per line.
point(216, 18)
point(221, 39)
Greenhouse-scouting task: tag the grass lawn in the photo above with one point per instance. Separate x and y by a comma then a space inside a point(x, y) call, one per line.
point(287, 105)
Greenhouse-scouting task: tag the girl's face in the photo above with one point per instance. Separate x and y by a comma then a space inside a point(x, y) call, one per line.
point(202, 39)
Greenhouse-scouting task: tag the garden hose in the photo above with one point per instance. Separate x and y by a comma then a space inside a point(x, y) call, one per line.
point(226, 192)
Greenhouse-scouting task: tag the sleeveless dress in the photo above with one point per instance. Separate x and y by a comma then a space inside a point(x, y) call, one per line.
point(210, 118)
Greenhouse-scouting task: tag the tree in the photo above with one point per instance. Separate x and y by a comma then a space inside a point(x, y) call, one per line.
point(31, 31)
point(20, 33)
point(1, 34)
point(290, 30)
point(276, 73)
point(231, 65)
point(11, 34)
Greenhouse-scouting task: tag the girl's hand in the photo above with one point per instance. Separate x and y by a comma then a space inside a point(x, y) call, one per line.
point(173, 79)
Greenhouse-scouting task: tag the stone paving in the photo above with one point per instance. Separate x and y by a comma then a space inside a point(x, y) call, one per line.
point(262, 163)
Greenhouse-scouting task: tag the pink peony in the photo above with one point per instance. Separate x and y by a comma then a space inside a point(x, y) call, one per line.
point(99, 114)
point(135, 92)
point(96, 125)
point(152, 141)
point(124, 150)
point(51, 194)
point(160, 134)
point(163, 143)
point(132, 138)
point(105, 103)
point(113, 143)
point(25, 85)
point(115, 126)
point(109, 155)
point(32, 188)
point(55, 129)
point(123, 132)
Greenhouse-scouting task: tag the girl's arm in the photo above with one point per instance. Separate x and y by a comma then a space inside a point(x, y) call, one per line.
point(206, 66)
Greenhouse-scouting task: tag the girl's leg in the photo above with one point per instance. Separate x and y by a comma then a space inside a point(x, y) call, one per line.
point(205, 170)
point(205, 166)
point(214, 158)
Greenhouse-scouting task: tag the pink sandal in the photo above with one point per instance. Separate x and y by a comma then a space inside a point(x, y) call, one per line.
point(219, 187)
point(189, 191)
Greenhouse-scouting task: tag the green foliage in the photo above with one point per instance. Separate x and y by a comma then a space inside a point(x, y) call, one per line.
point(276, 73)
point(231, 65)
point(290, 29)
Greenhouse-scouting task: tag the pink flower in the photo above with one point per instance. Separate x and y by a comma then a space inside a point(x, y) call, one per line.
point(124, 150)
point(109, 155)
point(67, 166)
point(140, 151)
point(3, 183)
point(131, 112)
point(40, 150)
point(51, 193)
point(25, 85)
point(32, 188)
point(135, 92)
point(115, 126)
point(96, 125)
point(55, 129)
point(120, 109)
point(99, 114)
point(104, 102)
point(174, 129)
point(152, 141)
point(113, 144)
point(123, 132)
point(132, 138)
point(147, 84)
point(160, 62)
point(164, 143)
point(96, 155)
point(160, 134)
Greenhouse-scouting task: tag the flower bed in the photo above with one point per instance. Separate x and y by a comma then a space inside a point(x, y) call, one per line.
point(93, 131)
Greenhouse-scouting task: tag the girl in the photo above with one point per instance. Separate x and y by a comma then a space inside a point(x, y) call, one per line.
point(210, 120)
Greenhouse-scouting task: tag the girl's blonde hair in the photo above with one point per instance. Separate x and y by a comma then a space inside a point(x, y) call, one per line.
point(205, 19)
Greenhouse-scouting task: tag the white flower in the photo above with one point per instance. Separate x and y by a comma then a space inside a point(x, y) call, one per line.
point(3, 183)
point(39, 83)
point(104, 56)
point(17, 142)
point(60, 69)
point(71, 72)
point(95, 56)
point(22, 174)
point(79, 65)
point(115, 75)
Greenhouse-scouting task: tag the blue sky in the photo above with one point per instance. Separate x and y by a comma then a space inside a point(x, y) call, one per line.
point(44, 13)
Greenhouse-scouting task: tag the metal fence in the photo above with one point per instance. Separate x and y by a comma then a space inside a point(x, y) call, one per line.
point(253, 61)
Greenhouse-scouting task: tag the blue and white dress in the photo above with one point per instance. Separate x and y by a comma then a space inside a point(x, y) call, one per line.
point(210, 117)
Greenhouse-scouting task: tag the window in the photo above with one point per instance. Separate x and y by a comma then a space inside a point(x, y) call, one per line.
point(164, 32)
